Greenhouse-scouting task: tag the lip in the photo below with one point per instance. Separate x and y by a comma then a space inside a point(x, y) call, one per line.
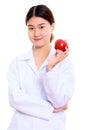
point(37, 39)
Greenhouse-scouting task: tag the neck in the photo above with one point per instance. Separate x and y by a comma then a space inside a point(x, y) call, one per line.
point(40, 54)
point(41, 50)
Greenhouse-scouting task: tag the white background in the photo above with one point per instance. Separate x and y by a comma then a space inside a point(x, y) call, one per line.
point(71, 24)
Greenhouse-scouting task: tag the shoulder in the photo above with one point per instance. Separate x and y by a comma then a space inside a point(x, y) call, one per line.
point(66, 62)
point(21, 58)
point(64, 66)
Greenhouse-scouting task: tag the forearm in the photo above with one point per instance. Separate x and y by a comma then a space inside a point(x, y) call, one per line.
point(59, 85)
point(31, 106)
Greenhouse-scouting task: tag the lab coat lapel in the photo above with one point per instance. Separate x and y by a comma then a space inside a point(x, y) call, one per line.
point(29, 60)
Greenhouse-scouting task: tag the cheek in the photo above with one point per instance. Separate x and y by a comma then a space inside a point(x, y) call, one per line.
point(47, 33)
point(29, 35)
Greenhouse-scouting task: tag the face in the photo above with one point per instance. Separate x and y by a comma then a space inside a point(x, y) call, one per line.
point(39, 31)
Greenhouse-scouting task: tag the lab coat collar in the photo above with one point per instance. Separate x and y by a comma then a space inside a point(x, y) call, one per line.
point(29, 54)
point(28, 57)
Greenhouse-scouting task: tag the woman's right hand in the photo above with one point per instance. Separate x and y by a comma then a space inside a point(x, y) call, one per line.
point(65, 107)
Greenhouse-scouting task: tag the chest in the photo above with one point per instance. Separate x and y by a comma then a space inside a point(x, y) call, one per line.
point(30, 79)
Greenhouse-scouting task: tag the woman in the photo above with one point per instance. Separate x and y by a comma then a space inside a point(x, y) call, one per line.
point(41, 81)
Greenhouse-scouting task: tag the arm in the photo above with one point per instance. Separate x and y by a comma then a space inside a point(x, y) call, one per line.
point(58, 82)
point(22, 102)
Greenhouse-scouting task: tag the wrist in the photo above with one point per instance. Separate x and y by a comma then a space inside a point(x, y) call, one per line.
point(49, 67)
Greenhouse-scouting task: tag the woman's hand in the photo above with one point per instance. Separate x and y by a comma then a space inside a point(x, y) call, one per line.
point(65, 107)
point(56, 58)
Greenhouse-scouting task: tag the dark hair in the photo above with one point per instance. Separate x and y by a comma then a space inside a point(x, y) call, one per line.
point(41, 11)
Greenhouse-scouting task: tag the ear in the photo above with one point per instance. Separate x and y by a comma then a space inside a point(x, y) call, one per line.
point(53, 27)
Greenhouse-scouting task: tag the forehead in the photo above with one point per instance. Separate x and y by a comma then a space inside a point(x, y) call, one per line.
point(37, 21)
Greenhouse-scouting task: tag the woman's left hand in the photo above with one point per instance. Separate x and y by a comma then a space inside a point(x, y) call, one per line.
point(65, 107)
point(56, 58)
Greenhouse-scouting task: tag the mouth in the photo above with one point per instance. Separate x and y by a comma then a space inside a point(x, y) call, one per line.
point(37, 40)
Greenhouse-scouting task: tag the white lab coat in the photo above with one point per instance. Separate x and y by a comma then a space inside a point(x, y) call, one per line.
point(35, 93)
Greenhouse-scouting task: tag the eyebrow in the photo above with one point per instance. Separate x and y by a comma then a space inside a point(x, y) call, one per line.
point(38, 25)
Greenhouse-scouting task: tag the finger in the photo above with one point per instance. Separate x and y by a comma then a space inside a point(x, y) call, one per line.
point(59, 51)
point(66, 53)
point(59, 54)
point(66, 49)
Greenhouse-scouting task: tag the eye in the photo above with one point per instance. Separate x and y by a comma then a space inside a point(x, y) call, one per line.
point(41, 27)
point(31, 28)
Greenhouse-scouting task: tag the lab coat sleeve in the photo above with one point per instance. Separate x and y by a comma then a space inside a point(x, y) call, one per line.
point(22, 102)
point(59, 83)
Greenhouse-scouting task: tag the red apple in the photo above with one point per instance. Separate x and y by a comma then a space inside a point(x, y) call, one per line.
point(61, 44)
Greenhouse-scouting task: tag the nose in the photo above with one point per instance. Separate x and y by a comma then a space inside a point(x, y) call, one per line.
point(36, 32)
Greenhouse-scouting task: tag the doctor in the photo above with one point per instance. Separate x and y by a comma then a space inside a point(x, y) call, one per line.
point(40, 82)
